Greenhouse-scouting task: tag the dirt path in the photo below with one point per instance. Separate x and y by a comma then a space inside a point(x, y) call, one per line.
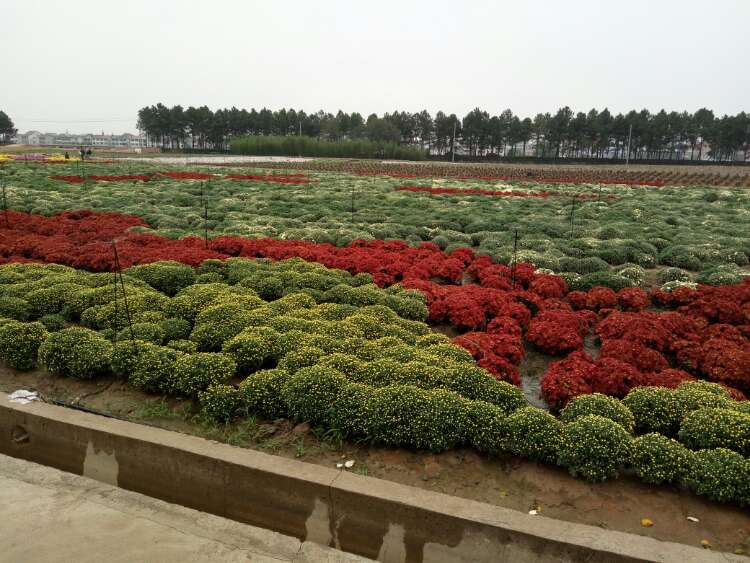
point(508, 482)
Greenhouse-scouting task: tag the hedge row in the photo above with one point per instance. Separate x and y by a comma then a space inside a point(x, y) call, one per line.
point(358, 367)
point(586, 439)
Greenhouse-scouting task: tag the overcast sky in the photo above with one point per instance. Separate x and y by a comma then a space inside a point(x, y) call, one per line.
point(89, 65)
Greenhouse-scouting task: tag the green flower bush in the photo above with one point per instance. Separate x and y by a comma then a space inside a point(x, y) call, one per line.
point(195, 372)
point(76, 352)
point(672, 274)
point(658, 459)
point(602, 405)
point(655, 409)
point(261, 393)
point(150, 332)
point(15, 308)
point(534, 434)
point(721, 475)
point(252, 347)
point(716, 428)
point(594, 447)
point(186, 346)
point(488, 428)
point(175, 328)
point(693, 395)
point(220, 402)
point(167, 276)
point(153, 370)
point(20, 342)
point(53, 322)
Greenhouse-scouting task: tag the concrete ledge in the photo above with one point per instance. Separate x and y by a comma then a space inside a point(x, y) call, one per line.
point(361, 515)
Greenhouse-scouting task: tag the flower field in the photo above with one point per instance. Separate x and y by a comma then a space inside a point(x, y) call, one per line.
point(703, 231)
point(312, 297)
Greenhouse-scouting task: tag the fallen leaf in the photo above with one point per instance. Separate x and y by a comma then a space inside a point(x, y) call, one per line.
point(647, 522)
point(705, 544)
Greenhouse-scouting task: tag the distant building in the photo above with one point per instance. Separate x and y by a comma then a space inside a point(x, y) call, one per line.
point(126, 140)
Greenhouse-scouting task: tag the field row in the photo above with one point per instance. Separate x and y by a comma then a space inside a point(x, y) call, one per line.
point(579, 232)
point(321, 352)
point(572, 174)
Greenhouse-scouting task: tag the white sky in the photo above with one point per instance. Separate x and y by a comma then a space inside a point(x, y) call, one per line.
point(89, 65)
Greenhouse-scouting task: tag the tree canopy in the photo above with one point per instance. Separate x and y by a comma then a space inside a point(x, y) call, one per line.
point(562, 134)
point(7, 129)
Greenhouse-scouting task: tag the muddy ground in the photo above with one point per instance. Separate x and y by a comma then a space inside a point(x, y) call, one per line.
point(508, 482)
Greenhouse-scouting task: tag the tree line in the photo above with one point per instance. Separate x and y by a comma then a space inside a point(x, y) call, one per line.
point(564, 134)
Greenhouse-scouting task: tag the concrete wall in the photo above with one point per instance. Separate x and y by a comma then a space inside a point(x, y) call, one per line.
point(362, 515)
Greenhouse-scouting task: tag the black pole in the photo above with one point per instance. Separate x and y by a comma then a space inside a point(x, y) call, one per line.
point(515, 258)
point(204, 198)
point(5, 207)
point(118, 271)
point(117, 312)
point(572, 211)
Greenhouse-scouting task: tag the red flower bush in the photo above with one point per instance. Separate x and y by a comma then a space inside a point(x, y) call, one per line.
point(505, 325)
point(601, 298)
point(633, 299)
point(637, 355)
point(567, 378)
point(615, 378)
point(187, 175)
point(557, 332)
point(549, 286)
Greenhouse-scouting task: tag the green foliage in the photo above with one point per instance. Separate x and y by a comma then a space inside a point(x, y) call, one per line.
point(168, 277)
point(658, 459)
point(488, 429)
point(307, 146)
point(15, 308)
point(602, 405)
point(220, 402)
point(53, 323)
point(252, 347)
point(176, 328)
point(76, 352)
point(721, 475)
point(594, 447)
point(655, 409)
point(716, 428)
point(300, 358)
point(186, 346)
point(534, 434)
point(195, 372)
point(150, 332)
point(310, 392)
point(693, 395)
point(152, 366)
point(403, 415)
point(609, 279)
point(20, 342)
point(672, 274)
point(261, 393)
point(724, 274)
